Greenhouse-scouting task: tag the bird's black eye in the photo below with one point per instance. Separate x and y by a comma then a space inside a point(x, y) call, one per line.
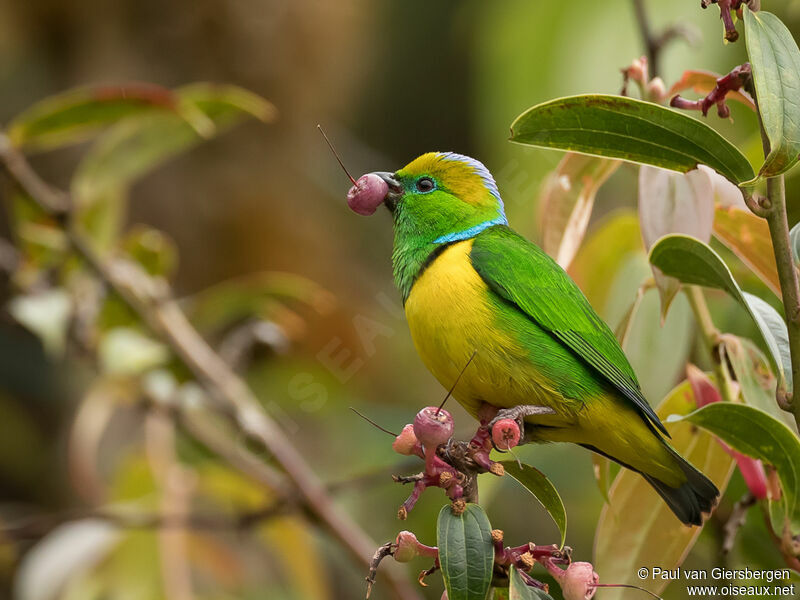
point(425, 184)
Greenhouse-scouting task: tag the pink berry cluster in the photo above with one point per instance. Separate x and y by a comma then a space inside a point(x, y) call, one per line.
point(578, 581)
point(430, 435)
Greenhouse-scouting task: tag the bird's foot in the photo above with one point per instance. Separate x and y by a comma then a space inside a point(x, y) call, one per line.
point(503, 433)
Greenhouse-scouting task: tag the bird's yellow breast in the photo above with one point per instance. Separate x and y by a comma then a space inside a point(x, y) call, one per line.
point(451, 316)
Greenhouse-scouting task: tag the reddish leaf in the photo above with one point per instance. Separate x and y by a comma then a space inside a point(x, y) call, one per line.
point(747, 236)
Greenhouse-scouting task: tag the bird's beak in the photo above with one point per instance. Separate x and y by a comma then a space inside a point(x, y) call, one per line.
point(395, 189)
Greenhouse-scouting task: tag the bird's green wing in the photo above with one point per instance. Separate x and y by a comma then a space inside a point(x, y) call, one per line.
point(525, 275)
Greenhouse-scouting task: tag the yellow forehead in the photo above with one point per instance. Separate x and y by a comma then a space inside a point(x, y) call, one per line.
point(463, 176)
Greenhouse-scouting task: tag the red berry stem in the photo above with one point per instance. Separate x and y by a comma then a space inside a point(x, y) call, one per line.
point(732, 82)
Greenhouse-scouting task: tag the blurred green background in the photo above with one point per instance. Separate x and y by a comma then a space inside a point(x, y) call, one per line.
point(388, 80)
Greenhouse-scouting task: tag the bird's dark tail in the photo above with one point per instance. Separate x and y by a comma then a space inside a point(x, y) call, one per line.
point(689, 501)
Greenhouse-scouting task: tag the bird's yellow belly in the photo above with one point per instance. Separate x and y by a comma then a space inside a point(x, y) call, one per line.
point(450, 315)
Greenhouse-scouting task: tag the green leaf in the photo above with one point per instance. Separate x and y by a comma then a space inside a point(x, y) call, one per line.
point(537, 483)
point(466, 552)
point(753, 432)
point(519, 590)
point(775, 59)
point(639, 521)
point(73, 116)
point(754, 376)
point(631, 130)
point(693, 262)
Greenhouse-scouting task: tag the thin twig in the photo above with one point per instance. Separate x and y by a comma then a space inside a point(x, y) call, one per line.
point(735, 521)
point(711, 339)
point(155, 306)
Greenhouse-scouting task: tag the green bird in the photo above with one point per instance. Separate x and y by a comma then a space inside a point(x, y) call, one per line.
point(471, 285)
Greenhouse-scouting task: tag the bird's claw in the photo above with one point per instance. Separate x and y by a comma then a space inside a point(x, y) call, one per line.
point(518, 414)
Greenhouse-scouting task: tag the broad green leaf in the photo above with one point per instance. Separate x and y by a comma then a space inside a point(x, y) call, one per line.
point(755, 433)
point(637, 519)
point(775, 59)
point(703, 82)
point(631, 130)
point(747, 236)
point(519, 590)
point(672, 202)
point(136, 145)
point(566, 201)
point(754, 376)
point(466, 553)
point(693, 262)
point(537, 483)
point(73, 116)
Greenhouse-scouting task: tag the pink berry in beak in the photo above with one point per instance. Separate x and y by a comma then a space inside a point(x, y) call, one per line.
point(433, 426)
point(367, 194)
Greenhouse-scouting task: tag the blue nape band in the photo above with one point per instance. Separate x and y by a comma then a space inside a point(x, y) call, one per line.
point(471, 232)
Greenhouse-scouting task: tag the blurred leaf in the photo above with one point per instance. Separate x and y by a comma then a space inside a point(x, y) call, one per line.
point(537, 483)
point(40, 241)
point(125, 351)
point(566, 203)
point(754, 376)
point(748, 237)
point(638, 520)
point(601, 467)
point(794, 240)
point(466, 552)
point(673, 203)
point(62, 555)
point(220, 305)
point(703, 82)
point(775, 59)
point(288, 538)
point(104, 217)
point(631, 130)
point(152, 250)
point(137, 145)
point(658, 350)
point(75, 115)
point(519, 590)
point(609, 245)
point(755, 433)
point(46, 314)
point(691, 261)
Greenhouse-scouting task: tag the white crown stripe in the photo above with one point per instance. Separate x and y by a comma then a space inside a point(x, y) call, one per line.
point(480, 169)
